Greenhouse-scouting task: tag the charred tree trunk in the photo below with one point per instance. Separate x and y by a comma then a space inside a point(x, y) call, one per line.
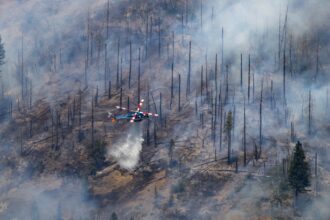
point(105, 67)
point(118, 60)
point(202, 77)
point(202, 15)
point(148, 122)
point(310, 113)
point(216, 74)
point(109, 92)
point(121, 98)
point(139, 77)
point(221, 121)
point(244, 135)
point(227, 85)
point(172, 86)
point(92, 124)
point(222, 45)
point(189, 72)
point(159, 38)
point(260, 121)
point(128, 104)
point(96, 95)
point(108, 18)
point(160, 108)
point(292, 132)
point(130, 65)
point(179, 93)
point(284, 77)
point(147, 36)
point(249, 78)
point(173, 47)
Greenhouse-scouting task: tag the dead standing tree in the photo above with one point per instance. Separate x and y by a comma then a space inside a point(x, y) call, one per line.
point(260, 120)
point(228, 128)
point(310, 113)
point(139, 77)
point(189, 72)
point(249, 78)
point(179, 102)
point(172, 86)
point(244, 135)
point(130, 65)
point(92, 123)
point(118, 60)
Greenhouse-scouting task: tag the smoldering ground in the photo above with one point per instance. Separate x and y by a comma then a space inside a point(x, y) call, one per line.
point(250, 27)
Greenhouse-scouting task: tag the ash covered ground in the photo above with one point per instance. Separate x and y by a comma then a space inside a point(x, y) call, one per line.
point(235, 85)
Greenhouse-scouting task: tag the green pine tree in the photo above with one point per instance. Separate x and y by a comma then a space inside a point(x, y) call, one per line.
point(114, 216)
point(299, 171)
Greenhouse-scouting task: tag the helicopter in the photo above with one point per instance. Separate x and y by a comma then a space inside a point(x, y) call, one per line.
point(132, 116)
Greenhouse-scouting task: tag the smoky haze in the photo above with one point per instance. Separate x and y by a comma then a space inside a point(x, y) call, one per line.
point(48, 40)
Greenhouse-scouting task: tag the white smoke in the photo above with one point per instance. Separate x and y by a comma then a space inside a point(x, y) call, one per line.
point(127, 151)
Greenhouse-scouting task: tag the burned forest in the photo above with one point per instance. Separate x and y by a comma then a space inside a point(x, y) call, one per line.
point(164, 109)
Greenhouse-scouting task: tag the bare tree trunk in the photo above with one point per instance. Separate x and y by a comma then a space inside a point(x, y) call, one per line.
point(186, 7)
point(201, 15)
point(222, 35)
point(121, 72)
point(290, 56)
point(128, 104)
point(227, 85)
point(130, 65)
point(244, 135)
point(80, 106)
point(271, 95)
point(22, 70)
point(172, 81)
point(284, 76)
point(216, 74)
point(214, 127)
point(249, 78)
point(147, 35)
point(96, 95)
point(118, 51)
point(189, 72)
point(92, 123)
point(139, 76)
point(109, 92)
point(221, 121)
point(206, 77)
point(160, 108)
point(260, 121)
point(173, 47)
point(179, 92)
point(121, 98)
point(241, 71)
point(105, 67)
point(30, 93)
point(292, 132)
point(310, 113)
point(148, 122)
point(21, 140)
point(317, 60)
point(58, 119)
point(159, 42)
point(108, 18)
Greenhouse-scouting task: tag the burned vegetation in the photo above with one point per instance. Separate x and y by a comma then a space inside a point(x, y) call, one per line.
point(242, 102)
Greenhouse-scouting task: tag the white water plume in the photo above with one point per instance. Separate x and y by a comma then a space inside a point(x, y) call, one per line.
point(127, 151)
